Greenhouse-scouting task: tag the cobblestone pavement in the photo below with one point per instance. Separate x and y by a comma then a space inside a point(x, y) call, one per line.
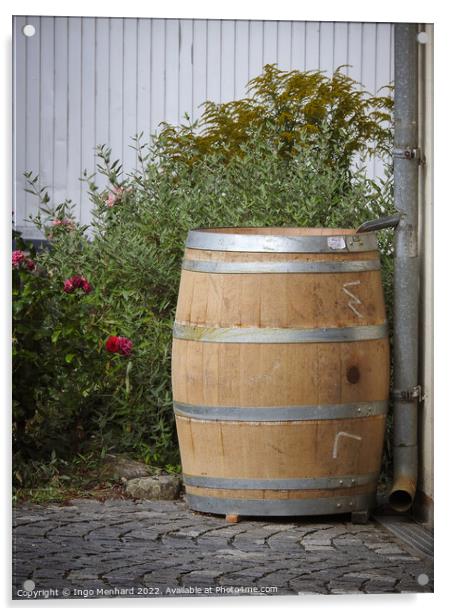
point(156, 548)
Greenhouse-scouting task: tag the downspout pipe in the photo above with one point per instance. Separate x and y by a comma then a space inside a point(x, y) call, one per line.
point(406, 392)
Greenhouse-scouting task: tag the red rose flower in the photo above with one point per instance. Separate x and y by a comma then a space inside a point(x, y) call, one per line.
point(119, 344)
point(77, 282)
point(31, 265)
point(112, 345)
point(125, 346)
point(68, 286)
point(86, 286)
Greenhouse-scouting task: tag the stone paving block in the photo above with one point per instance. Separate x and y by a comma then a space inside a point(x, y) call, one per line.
point(158, 542)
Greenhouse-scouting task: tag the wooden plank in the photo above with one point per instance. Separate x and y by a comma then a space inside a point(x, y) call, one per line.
point(294, 300)
point(281, 450)
point(228, 374)
point(275, 494)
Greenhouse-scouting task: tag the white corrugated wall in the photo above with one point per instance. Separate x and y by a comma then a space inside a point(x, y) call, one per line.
point(83, 81)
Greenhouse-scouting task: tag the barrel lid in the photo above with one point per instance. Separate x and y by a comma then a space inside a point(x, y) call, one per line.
point(261, 239)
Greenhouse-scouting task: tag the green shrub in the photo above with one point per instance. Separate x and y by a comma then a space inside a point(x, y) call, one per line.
point(291, 108)
point(71, 393)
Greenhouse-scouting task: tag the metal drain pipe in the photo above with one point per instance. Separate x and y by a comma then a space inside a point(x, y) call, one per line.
point(406, 391)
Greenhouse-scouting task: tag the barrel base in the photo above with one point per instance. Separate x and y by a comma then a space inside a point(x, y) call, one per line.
point(286, 507)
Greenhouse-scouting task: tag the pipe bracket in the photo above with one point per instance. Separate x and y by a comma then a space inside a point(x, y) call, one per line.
point(409, 154)
point(408, 395)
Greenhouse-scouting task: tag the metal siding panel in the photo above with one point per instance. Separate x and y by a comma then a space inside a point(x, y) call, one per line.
point(270, 52)
point(214, 60)
point(102, 82)
point(60, 110)
point(299, 45)
point(116, 71)
point(47, 94)
point(326, 62)
point(383, 64)
point(19, 120)
point(256, 46)
point(241, 58)
point(312, 61)
point(185, 69)
point(82, 82)
point(172, 43)
point(158, 73)
point(143, 121)
point(88, 111)
point(199, 65)
point(33, 60)
point(368, 69)
point(340, 45)
point(227, 60)
point(74, 112)
point(130, 96)
point(355, 51)
point(284, 42)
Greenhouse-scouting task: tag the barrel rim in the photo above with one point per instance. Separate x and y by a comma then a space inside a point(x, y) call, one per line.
point(283, 506)
point(280, 267)
point(300, 483)
point(278, 335)
point(336, 241)
point(317, 412)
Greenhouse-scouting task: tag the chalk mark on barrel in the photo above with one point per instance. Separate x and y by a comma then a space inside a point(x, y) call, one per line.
point(354, 300)
point(338, 436)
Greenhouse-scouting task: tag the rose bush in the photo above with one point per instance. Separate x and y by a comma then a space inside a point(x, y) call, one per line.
point(93, 319)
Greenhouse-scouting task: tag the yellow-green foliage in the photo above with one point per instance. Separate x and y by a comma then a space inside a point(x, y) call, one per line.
point(291, 107)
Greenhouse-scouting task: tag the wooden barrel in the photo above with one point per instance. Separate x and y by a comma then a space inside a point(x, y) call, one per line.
point(280, 370)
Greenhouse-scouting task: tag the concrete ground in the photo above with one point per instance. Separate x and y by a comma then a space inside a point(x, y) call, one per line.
point(155, 548)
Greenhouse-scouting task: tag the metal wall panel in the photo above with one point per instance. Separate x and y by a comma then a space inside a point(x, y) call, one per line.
point(80, 82)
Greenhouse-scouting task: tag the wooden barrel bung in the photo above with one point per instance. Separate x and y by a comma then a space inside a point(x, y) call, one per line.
point(280, 370)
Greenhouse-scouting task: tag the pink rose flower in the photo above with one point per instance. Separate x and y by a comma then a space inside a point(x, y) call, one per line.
point(116, 195)
point(18, 257)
